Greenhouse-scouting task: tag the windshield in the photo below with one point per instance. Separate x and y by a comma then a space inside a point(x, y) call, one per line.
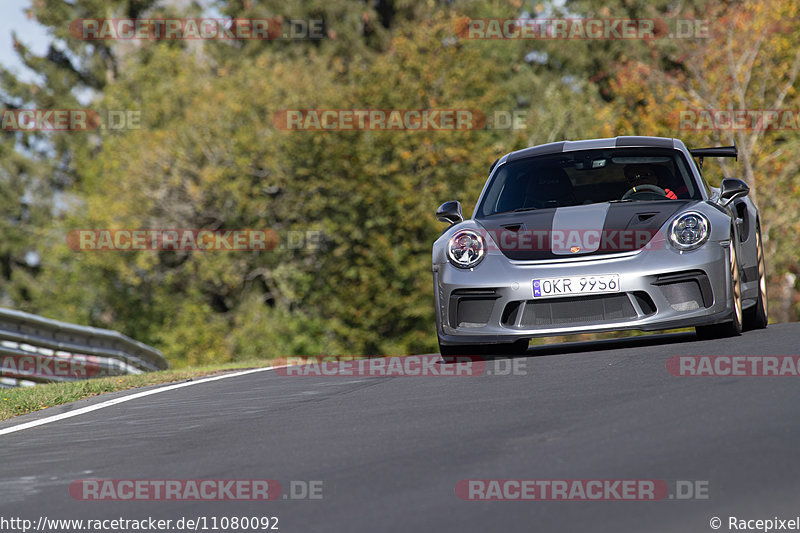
point(589, 177)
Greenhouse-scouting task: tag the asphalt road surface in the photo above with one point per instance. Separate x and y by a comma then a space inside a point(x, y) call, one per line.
point(389, 451)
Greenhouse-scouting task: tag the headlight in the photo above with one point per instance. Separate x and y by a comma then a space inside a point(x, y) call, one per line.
point(466, 249)
point(689, 231)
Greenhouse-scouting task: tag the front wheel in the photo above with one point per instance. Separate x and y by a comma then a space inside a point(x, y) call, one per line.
point(757, 316)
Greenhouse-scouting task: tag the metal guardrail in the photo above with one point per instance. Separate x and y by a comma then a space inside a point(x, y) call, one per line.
point(34, 349)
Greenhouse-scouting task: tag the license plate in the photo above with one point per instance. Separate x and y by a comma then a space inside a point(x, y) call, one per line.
point(575, 285)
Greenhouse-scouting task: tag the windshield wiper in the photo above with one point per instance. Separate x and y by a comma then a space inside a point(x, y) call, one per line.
point(513, 211)
point(619, 201)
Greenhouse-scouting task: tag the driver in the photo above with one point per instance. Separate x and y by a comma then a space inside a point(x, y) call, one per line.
point(638, 175)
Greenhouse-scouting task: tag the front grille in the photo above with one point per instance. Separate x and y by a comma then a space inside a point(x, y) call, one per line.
point(579, 310)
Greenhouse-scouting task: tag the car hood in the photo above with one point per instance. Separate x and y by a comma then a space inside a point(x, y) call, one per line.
point(582, 230)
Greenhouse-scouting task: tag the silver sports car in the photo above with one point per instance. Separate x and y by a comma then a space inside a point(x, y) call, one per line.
point(598, 235)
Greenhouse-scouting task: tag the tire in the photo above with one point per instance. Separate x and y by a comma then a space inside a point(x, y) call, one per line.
point(757, 316)
point(486, 351)
point(733, 327)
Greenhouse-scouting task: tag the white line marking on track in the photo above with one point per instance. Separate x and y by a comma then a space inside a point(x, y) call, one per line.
point(123, 399)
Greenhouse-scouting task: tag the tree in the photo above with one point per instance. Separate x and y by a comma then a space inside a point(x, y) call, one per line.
point(747, 62)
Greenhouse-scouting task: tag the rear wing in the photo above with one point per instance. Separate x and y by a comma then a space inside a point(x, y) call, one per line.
point(719, 151)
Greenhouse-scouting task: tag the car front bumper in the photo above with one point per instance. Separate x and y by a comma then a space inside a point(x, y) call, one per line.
point(659, 289)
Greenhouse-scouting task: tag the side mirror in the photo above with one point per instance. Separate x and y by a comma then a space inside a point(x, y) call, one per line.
point(732, 189)
point(450, 212)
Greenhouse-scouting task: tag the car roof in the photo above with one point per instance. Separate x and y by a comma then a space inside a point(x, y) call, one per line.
point(591, 144)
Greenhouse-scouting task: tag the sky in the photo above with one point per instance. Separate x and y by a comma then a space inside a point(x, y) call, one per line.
point(13, 19)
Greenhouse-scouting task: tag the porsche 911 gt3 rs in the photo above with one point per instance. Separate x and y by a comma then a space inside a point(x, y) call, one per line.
point(598, 235)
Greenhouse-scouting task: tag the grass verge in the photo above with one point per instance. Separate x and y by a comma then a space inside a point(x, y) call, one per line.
point(22, 400)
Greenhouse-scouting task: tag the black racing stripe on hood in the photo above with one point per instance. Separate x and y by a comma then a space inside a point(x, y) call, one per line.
point(641, 216)
point(637, 221)
point(538, 220)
